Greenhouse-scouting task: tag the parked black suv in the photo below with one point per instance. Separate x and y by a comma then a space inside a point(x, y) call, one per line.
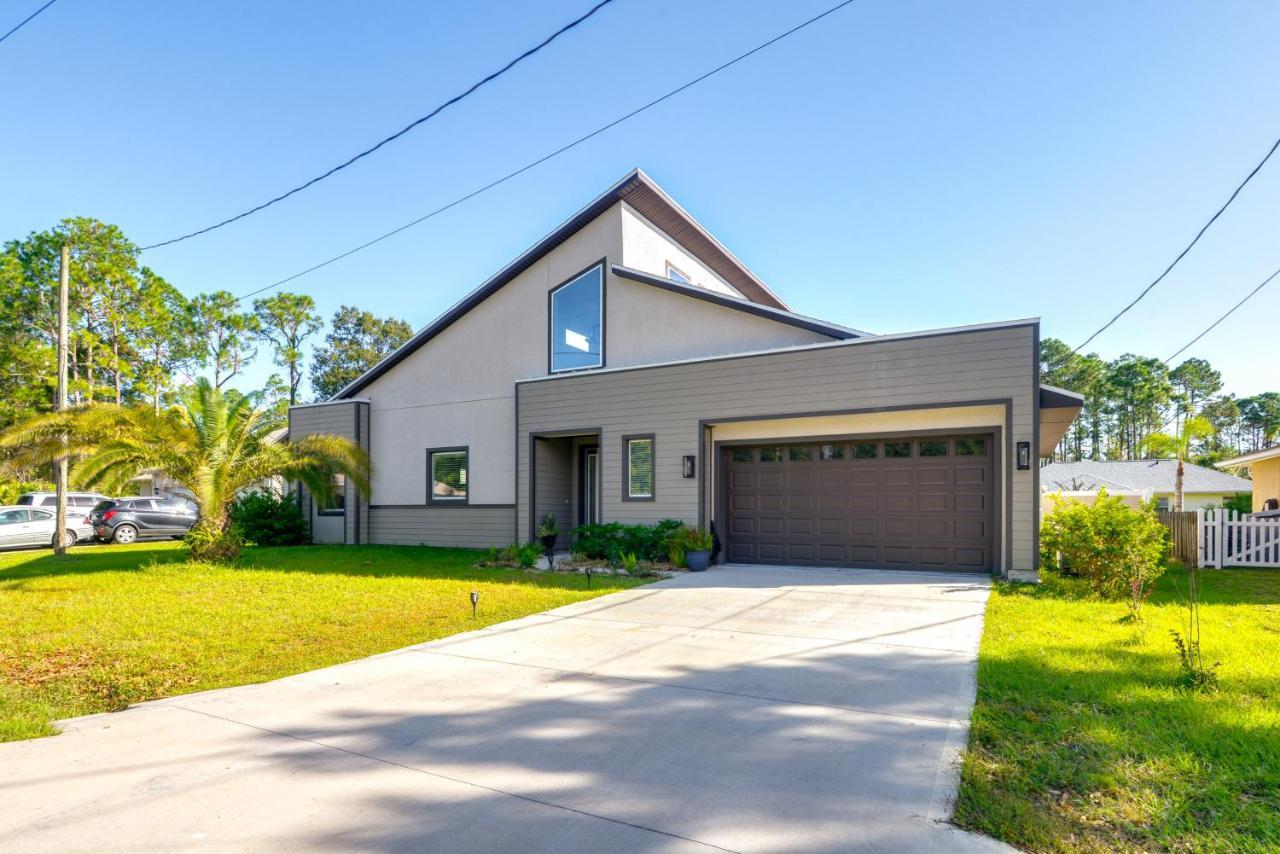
point(123, 520)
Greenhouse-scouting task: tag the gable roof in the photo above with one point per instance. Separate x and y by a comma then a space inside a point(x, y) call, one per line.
point(640, 192)
point(1138, 475)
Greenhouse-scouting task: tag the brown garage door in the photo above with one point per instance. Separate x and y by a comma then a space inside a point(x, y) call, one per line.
point(920, 503)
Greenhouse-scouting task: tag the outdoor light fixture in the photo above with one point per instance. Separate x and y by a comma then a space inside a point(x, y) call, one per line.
point(690, 465)
point(475, 600)
point(1024, 456)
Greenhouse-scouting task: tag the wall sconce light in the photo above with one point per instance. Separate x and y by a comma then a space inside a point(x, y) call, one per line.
point(1024, 456)
point(690, 465)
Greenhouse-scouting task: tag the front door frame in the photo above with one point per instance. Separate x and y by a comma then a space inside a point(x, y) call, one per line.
point(587, 496)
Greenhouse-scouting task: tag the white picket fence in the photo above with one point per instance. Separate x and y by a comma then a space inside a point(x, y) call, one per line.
point(1229, 539)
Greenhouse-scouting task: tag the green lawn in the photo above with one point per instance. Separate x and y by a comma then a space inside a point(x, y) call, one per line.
point(1082, 742)
point(113, 625)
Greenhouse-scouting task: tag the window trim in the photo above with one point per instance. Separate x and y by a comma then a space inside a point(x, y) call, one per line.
point(684, 277)
point(626, 467)
point(602, 264)
point(334, 511)
point(432, 500)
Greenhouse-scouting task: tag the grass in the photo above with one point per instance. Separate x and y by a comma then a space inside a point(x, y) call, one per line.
point(113, 625)
point(1082, 741)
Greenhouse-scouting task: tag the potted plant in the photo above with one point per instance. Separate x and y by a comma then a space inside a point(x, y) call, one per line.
point(548, 532)
point(697, 548)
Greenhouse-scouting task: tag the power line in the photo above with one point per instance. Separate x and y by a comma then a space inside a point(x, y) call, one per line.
point(455, 99)
point(1183, 253)
point(1231, 311)
point(561, 150)
point(27, 19)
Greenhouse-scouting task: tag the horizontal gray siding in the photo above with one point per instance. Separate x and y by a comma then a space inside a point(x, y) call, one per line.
point(669, 401)
point(460, 527)
point(337, 420)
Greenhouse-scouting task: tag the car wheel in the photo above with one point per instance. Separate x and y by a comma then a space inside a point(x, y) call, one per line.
point(124, 535)
point(68, 539)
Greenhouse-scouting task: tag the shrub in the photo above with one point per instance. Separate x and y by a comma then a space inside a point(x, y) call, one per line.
point(610, 542)
point(1118, 550)
point(1241, 502)
point(11, 489)
point(516, 555)
point(214, 546)
point(548, 527)
point(269, 519)
point(630, 562)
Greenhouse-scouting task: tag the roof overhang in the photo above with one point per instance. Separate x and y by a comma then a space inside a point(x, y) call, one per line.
point(1058, 408)
point(1246, 460)
point(811, 324)
point(640, 192)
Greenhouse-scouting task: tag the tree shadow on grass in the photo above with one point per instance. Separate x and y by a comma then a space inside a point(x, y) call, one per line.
point(87, 559)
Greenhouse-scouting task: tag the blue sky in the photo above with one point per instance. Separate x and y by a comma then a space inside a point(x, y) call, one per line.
point(898, 166)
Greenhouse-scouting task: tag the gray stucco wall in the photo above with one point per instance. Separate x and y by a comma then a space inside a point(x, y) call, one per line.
point(963, 367)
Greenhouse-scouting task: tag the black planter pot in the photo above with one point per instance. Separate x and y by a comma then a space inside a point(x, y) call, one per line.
point(549, 543)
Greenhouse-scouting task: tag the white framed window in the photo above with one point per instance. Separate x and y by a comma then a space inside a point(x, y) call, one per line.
point(676, 274)
point(638, 467)
point(576, 322)
point(447, 470)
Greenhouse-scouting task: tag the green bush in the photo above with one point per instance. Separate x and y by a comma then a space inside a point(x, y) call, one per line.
point(518, 555)
point(610, 542)
point(11, 489)
point(1118, 550)
point(269, 519)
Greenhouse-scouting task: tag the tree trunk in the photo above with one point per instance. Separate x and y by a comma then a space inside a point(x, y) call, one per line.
point(115, 358)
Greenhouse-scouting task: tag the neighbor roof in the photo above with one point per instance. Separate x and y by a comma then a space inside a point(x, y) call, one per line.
point(1138, 475)
point(640, 192)
point(1250, 458)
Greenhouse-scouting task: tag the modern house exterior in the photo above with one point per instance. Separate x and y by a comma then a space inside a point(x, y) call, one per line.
point(1150, 479)
point(629, 368)
point(1264, 467)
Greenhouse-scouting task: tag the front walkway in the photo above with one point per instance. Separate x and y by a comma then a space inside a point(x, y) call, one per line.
point(741, 709)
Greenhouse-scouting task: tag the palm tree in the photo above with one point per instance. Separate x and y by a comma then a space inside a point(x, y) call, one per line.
point(215, 444)
point(1179, 445)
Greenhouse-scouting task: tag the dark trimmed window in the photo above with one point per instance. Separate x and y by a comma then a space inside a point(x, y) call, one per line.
point(447, 469)
point(971, 447)
point(897, 449)
point(743, 455)
point(864, 451)
point(933, 448)
point(577, 322)
point(639, 463)
point(801, 453)
point(831, 452)
point(336, 503)
point(770, 455)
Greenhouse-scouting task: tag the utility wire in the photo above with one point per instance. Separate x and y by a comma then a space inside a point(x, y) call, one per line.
point(455, 99)
point(1183, 253)
point(561, 150)
point(27, 19)
point(1231, 311)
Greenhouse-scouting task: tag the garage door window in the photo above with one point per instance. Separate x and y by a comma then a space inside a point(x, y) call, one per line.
point(864, 451)
point(770, 455)
point(801, 453)
point(971, 447)
point(744, 455)
point(831, 452)
point(932, 448)
point(897, 449)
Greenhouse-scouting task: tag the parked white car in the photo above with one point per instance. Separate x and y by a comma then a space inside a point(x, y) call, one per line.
point(36, 526)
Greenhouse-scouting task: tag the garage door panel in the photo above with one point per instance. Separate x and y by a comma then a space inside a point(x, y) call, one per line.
point(928, 505)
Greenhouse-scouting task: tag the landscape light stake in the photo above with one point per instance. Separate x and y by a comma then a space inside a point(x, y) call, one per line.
point(475, 601)
point(588, 574)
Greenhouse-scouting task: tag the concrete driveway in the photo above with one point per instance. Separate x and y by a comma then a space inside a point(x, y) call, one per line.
point(741, 709)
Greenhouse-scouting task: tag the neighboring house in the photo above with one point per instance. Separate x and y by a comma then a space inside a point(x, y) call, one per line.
point(153, 482)
point(1264, 468)
point(628, 368)
point(1153, 479)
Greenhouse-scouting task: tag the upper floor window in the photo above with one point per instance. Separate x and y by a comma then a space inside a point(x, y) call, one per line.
point(577, 322)
point(673, 272)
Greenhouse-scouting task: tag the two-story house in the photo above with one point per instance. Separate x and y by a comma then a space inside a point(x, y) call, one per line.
point(628, 367)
